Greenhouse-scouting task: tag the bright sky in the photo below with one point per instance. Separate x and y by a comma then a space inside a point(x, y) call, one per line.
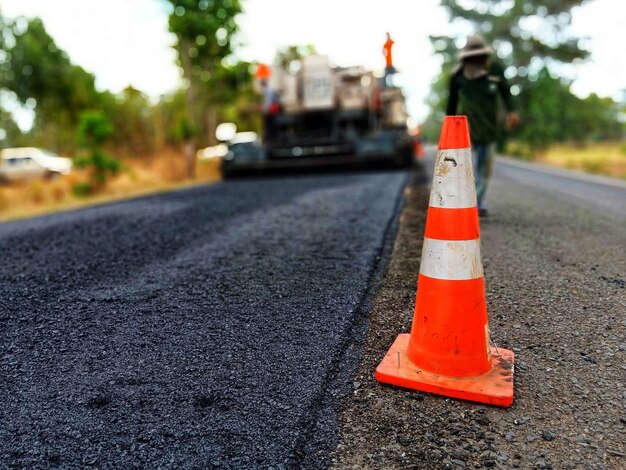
point(126, 41)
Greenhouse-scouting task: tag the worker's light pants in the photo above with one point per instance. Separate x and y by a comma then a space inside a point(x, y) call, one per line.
point(482, 155)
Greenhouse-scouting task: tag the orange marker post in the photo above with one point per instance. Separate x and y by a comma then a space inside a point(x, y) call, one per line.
point(448, 350)
point(263, 72)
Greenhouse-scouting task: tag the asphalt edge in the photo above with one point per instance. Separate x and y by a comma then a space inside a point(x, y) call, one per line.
point(312, 449)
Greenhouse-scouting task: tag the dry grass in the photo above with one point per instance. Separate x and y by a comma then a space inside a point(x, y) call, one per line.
point(606, 159)
point(138, 177)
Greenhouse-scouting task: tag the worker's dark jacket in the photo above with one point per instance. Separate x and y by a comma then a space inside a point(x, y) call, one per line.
point(478, 100)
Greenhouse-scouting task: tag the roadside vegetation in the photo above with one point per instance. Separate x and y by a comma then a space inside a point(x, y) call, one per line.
point(533, 41)
point(122, 144)
point(602, 158)
point(137, 177)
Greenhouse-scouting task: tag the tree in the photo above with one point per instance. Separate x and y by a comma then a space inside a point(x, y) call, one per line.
point(526, 34)
point(10, 133)
point(528, 37)
point(204, 33)
point(134, 123)
point(94, 130)
point(598, 119)
point(555, 114)
point(290, 57)
point(36, 73)
point(41, 76)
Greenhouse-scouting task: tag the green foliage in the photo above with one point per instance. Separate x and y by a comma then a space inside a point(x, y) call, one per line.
point(82, 189)
point(554, 114)
point(527, 34)
point(288, 56)
point(592, 166)
point(134, 121)
point(13, 136)
point(93, 131)
point(533, 41)
point(183, 130)
point(205, 32)
point(103, 165)
point(171, 113)
point(40, 75)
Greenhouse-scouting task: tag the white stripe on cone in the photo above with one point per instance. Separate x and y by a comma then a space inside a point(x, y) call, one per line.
point(452, 260)
point(453, 180)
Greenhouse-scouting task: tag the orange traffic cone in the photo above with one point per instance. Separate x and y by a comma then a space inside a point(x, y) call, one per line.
point(418, 149)
point(448, 350)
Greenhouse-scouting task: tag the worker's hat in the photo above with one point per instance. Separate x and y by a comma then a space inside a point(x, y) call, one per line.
point(475, 46)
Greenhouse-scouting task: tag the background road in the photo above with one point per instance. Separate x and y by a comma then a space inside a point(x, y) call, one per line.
point(607, 195)
point(193, 329)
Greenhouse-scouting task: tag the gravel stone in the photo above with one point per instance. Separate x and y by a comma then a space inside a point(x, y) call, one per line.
point(542, 238)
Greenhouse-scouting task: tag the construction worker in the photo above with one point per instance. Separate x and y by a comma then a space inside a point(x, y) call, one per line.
point(271, 101)
point(476, 85)
point(271, 108)
point(389, 68)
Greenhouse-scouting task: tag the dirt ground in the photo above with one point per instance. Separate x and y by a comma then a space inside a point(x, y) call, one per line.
point(555, 294)
point(138, 177)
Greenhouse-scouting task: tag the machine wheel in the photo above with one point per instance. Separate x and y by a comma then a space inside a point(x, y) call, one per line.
point(405, 157)
point(228, 173)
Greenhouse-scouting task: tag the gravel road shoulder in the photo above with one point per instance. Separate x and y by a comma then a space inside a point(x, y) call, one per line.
point(556, 296)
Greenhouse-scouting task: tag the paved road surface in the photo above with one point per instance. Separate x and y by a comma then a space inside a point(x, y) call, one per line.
point(606, 194)
point(201, 328)
point(218, 326)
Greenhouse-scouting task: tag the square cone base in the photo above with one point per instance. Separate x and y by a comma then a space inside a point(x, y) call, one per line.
point(495, 387)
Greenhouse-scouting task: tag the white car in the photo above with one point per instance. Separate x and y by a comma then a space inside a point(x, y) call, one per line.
point(30, 163)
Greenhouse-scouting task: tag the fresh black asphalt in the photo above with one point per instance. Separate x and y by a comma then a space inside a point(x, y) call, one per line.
point(211, 327)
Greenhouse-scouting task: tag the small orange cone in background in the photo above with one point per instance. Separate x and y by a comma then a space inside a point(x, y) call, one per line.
point(418, 149)
point(448, 350)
